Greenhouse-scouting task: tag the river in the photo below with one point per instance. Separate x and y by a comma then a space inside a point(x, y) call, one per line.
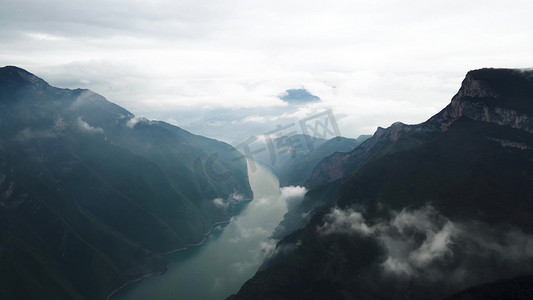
point(231, 254)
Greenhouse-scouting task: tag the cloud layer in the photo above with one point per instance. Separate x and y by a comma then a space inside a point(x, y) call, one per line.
point(190, 61)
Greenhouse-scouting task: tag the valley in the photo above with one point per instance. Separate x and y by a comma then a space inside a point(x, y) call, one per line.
point(231, 254)
point(426, 210)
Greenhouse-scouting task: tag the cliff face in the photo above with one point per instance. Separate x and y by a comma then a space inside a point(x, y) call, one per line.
point(484, 97)
point(340, 165)
point(498, 96)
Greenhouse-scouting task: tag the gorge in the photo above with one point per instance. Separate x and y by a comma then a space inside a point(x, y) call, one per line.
point(231, 254)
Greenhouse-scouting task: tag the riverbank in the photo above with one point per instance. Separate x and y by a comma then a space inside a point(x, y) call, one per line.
point(158, 273)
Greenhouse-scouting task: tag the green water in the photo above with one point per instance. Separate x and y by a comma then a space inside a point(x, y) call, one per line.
point(230, 256)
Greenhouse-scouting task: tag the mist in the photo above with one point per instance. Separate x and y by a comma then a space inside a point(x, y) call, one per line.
point(424, 245)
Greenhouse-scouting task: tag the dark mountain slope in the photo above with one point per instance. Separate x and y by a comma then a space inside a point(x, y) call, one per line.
point(294, 157)
point(427, 211)
point(500, 96)
point(91, 195)
point(298, 170)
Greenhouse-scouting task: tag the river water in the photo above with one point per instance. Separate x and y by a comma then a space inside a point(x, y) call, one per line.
point(231, 254)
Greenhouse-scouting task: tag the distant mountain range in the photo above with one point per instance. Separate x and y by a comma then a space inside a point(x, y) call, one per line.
point(91, 195)
point(420, 211)
point(297, 155)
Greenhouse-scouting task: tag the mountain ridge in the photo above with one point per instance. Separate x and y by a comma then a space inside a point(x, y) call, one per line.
point(86, 185)
point(476, 99)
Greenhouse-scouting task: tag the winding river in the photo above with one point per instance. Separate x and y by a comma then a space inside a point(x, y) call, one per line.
point(231, 254)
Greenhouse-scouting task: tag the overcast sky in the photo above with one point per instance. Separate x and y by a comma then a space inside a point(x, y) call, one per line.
point(218, 68)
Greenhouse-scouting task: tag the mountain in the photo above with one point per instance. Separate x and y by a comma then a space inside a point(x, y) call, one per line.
point(294, 157)
point(280, 152)
point(420, 211)
point(515, 288)
point(298, 96)
point(500, 96)
point(91, 195)
point(298, 170)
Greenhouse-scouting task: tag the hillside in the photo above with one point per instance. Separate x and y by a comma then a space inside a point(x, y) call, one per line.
point(91, 196)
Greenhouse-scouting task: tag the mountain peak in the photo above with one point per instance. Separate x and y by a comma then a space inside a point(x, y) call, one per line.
point(490, 82)
point(475, 86)
point(14, 76)
point(298, 96)
point(500, 96)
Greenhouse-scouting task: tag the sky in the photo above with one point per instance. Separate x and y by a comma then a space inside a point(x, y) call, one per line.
point(220, 68)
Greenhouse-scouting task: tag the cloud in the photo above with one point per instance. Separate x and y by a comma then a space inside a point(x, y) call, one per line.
point(44, 37)
point(233, 199)
point(405, 254)
point(511, 244)
point(425, 245)
point(344, 222)
point(377, 63)
point(85, 127)
point(257, 119)
point(220, 203)
point(84, 98)
point(135, 120)
point(293, 194)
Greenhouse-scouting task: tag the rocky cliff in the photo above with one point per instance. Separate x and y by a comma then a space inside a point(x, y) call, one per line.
point(499, 96)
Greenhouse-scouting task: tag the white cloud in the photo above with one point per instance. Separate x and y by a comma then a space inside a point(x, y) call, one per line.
point(344, 222)
point(236, 197)
point(424, 244)
point(434, 246)
point(256, 119)
point(44, 36)
point(293, 194)
point(233, 198)
point(408, 256)
point(220, 203)
point(84, 126)
point(377, 63)
point(135, 120)
point(172, 121)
